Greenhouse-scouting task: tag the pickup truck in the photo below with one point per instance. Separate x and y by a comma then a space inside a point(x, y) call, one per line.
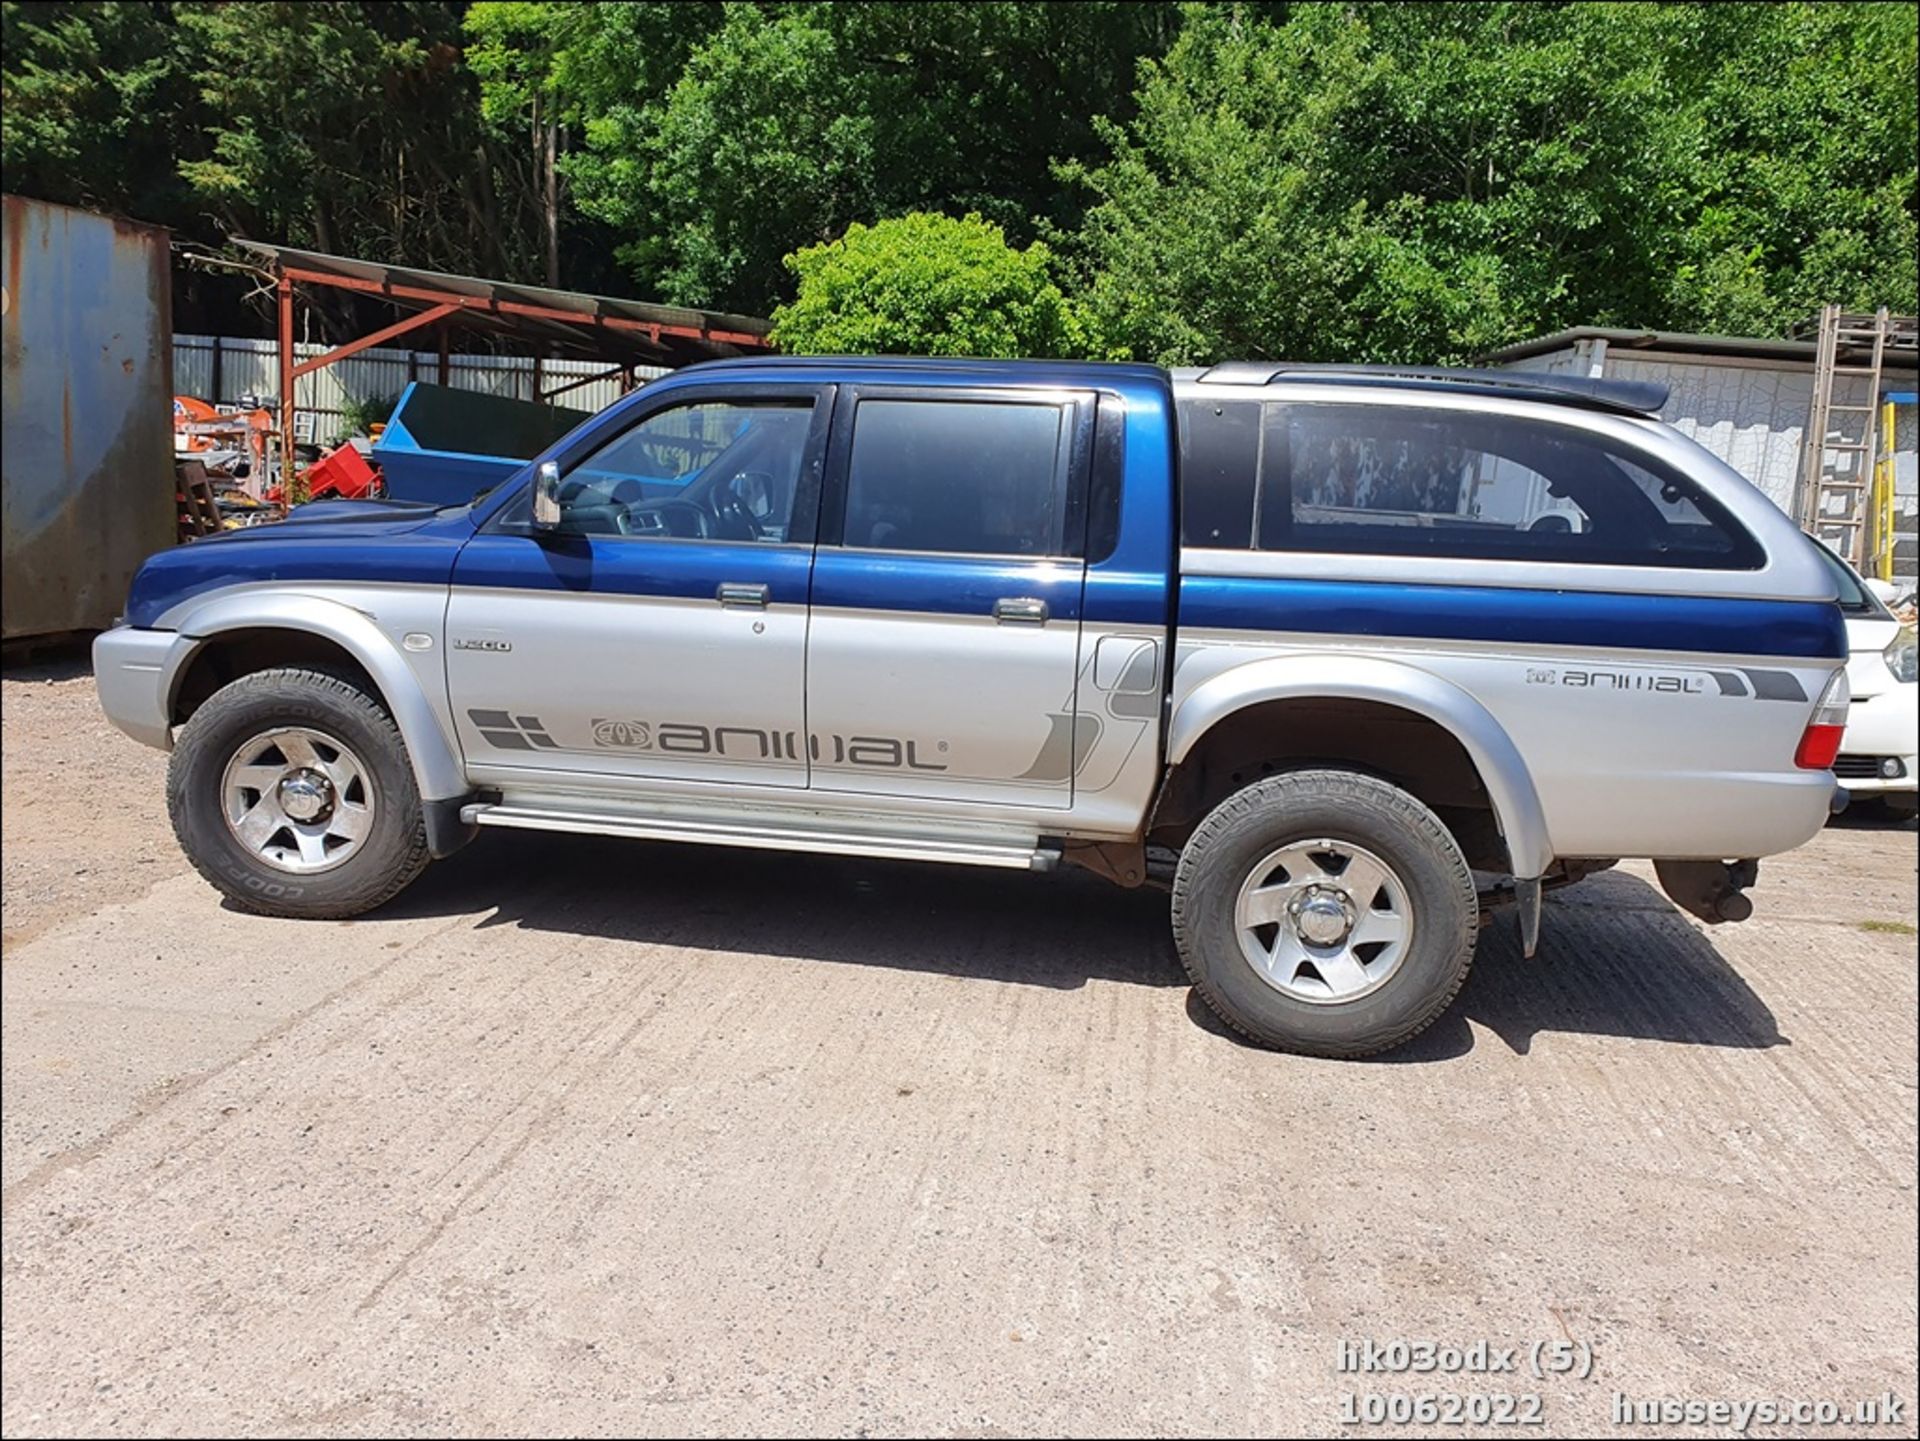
point(1344, 657)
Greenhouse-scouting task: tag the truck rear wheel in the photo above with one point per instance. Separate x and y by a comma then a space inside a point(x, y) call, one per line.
point(291, 792)
point(1325, 912)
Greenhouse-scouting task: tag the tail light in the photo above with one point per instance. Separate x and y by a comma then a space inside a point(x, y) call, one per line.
point(1820, 743)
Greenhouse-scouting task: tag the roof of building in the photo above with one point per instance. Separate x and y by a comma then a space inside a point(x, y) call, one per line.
point(624, 330)
point(1747, 347)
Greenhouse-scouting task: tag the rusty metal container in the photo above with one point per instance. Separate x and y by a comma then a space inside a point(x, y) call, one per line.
point(86, 431)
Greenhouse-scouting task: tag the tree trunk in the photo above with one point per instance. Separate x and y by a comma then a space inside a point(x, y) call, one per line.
point(550, 199)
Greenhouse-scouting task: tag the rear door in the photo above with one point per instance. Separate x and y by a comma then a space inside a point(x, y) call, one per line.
point(945, 627)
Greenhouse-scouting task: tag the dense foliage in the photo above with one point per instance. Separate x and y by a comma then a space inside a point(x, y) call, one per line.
point(1370, 181)
point(926, 285)
point(1386, 182)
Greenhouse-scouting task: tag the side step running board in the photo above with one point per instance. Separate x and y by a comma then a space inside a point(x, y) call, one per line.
point(1015, 856)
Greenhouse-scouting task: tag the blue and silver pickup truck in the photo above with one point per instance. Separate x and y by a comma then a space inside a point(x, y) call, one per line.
point(1344, 657)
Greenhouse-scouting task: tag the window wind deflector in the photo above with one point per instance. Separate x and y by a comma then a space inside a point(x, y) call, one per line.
point(1633, 397)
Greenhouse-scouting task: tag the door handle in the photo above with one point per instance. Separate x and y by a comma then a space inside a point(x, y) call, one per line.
point(1020, 610)
point(738, 593)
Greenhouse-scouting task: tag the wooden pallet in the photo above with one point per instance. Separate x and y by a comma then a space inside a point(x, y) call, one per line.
point(199, 512)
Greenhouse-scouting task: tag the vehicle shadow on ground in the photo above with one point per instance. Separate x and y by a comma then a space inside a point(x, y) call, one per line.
point(61, 661)
point(1616, 958)
point(1867, 815)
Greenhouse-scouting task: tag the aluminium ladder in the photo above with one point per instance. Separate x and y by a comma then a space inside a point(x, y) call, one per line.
point(1836, 501)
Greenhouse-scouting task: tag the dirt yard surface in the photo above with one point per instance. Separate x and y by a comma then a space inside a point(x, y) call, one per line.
point(623, 1139)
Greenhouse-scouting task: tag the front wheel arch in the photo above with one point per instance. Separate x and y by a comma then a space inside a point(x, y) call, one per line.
point(257, 623)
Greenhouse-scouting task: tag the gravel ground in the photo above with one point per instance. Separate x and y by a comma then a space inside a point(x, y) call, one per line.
point(615, 1138)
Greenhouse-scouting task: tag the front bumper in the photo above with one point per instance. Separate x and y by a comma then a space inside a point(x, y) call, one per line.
point(133, 671)
point(1881, 728)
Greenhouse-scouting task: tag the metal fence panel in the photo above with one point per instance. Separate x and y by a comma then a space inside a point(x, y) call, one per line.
point(251, 367)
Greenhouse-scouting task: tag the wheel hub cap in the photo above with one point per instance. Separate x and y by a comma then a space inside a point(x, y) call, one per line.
point(306, 795)
point(1322, 916)
point(296, 799)
point(1324, 921)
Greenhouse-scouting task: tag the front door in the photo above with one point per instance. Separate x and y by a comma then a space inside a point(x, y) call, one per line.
point(946, 596)
point(659, 633)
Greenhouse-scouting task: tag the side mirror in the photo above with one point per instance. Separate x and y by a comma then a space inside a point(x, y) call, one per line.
point(546, 496)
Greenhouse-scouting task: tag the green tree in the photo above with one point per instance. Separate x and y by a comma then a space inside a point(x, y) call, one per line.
point(343, 126)
point(547, 73)
point(321, 122)
point(925, 284)
point(717, 139)
point(94, 107)
point(1426, 182)
point(1799, 184)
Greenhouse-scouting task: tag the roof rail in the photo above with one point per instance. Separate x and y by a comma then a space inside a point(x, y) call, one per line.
point(1635, 397)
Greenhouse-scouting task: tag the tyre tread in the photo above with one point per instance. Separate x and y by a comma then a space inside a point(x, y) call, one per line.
point(1272, 793)
point(289, 683)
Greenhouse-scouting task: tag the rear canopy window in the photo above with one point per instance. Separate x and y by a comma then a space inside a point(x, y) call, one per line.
point(1379, 480)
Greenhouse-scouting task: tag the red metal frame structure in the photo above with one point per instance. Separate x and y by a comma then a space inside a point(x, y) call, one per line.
point(631, 332)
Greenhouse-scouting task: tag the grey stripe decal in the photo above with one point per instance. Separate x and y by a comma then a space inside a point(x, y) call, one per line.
point(1730, 682)
point(1775, 685)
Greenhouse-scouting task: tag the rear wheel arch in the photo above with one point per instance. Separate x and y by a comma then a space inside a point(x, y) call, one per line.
point(1401, 724)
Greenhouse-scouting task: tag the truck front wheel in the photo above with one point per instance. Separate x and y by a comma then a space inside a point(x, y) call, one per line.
point(291, 792)
point(1325, 912)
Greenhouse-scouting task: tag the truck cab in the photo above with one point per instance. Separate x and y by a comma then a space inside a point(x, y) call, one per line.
point(1315, 648)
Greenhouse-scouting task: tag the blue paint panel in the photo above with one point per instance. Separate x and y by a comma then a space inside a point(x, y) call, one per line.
point(441, 478)
point(1133, 380)
point(1134, 585)
point(942, 584)
point(411, 548)
point(1127, 598)
point(1613, 620)
point(605, 565)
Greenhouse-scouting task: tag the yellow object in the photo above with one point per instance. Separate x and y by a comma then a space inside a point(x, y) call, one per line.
point(1880, 507)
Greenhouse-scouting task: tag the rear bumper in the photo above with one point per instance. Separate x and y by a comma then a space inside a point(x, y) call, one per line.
point(133, 671)
point(1682, 815)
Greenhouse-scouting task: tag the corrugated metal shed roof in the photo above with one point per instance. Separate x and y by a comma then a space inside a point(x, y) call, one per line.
point(599, 324)
point(1675, 341)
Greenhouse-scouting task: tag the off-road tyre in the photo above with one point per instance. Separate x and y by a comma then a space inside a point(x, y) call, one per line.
point(334, 704)
point(1354, 809)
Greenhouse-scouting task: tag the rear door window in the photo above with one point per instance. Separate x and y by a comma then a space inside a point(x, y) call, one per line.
point(959, 476)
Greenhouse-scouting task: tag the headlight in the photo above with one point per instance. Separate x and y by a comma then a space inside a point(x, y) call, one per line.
point(1902, 658)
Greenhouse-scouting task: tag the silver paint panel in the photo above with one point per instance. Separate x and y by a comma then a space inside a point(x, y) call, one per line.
point(1615, 769)
point(1214, 680)
point(992, 705)
point(1016, 853)
point(604, 674)
point(129, 669)
point(369, 621)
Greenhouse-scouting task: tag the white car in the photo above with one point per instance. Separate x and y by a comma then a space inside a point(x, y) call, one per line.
point(1878, 760)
